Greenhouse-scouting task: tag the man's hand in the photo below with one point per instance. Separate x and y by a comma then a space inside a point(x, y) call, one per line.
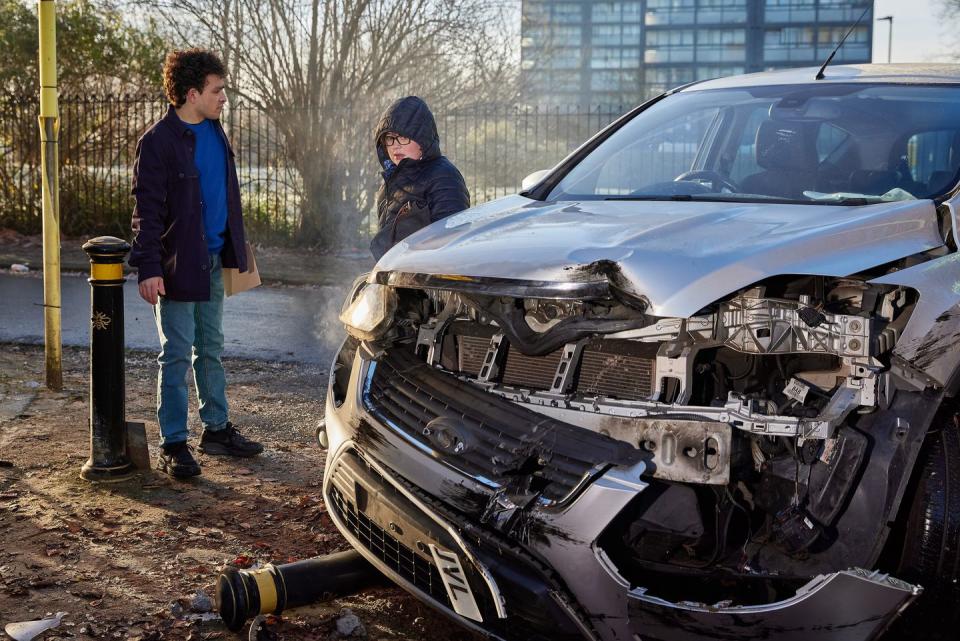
point(151, 288)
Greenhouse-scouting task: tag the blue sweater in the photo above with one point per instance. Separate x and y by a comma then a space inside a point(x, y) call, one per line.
point(210, 156)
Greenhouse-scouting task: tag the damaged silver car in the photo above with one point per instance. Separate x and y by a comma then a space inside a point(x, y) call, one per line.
point(697, 382)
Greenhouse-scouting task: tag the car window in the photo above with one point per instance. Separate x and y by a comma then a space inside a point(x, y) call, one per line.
point(744, 161)
point(931, 156)
point(832, 142)
point(829, 139)
point(660, 156)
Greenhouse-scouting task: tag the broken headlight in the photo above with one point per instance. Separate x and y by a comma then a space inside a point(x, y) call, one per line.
point(368, 312)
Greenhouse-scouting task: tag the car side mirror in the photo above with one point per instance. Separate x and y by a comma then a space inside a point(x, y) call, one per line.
point(532, 180)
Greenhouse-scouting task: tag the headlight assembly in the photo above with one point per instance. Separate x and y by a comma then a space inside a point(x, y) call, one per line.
point(368, 313)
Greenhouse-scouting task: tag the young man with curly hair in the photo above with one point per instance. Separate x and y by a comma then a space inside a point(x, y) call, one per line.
point(187, 227)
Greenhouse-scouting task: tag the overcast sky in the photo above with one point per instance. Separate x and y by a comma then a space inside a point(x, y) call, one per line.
point(920, 32)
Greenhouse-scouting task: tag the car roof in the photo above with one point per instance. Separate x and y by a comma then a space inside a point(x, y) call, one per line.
point(932, 73)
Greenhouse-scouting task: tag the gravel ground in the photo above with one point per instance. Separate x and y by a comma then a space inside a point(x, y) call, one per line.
point(125, 560)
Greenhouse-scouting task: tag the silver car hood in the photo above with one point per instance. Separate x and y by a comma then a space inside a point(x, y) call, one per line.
point(680, 256)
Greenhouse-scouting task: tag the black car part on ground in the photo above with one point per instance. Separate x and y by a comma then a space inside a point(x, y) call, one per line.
point(242, 594)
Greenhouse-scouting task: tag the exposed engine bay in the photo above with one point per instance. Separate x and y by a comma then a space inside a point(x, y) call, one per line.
point(745, 415)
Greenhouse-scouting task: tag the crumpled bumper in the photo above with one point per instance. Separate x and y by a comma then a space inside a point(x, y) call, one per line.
point(398, 503)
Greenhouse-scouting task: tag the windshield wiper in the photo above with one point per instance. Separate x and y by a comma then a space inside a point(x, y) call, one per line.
point(714, 198)
point(674, 197)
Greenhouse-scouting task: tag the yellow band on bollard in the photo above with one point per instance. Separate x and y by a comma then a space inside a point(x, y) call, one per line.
point(109, 271)
point(267, 589)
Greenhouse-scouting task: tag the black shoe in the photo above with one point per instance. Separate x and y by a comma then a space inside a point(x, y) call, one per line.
point(228, 442)
point(177, 460)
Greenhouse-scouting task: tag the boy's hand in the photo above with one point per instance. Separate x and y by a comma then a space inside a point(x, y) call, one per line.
point(151, 288)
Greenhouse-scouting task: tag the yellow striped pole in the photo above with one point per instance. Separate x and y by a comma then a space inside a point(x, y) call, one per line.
point(50, 163)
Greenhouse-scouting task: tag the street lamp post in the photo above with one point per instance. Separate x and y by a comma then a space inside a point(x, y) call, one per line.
point(889, 19)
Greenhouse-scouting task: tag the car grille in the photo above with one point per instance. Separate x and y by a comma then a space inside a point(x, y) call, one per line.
point(395, 555)
point(500, 436)
point(614, 369)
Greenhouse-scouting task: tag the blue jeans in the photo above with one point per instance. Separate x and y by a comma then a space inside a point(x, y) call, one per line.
point(191, 334)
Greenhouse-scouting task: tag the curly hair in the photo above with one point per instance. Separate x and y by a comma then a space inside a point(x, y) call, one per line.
point(188, 69)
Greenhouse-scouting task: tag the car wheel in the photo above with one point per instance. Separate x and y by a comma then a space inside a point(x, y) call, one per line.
point(931, 543)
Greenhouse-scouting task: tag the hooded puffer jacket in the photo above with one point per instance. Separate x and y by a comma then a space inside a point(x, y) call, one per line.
point(414, 193)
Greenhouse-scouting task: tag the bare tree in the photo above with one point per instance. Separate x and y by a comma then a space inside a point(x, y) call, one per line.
point(322, 70)
point(947, 19)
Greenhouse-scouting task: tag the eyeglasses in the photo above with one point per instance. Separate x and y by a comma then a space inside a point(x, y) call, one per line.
point(389, 140)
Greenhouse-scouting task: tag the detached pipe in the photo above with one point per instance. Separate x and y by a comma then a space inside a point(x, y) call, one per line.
point(243, 594)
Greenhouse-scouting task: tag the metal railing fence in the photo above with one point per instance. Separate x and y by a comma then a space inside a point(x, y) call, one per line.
point(283, 178)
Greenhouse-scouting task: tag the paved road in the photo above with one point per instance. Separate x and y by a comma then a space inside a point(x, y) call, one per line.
point(271, 323)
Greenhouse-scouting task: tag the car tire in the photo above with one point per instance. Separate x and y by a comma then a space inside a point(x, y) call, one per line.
point(931, 537)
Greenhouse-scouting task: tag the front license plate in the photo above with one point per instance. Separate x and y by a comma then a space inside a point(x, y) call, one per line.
point(455, 581)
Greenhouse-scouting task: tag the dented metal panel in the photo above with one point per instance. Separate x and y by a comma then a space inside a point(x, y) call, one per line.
point(678, 259)
point(854, 605)
point(928, 344)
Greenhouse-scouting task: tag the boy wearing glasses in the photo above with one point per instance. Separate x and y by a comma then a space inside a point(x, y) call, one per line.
point(420, 185)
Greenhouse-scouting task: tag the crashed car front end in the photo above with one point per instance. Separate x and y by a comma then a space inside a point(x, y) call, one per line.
point(684, 422)
point(536, 477)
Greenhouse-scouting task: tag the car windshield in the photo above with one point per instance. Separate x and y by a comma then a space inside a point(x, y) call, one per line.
point(833, 143)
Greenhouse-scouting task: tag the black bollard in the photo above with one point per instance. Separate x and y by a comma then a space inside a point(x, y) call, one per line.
point(108, 431)
point(242, 594)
